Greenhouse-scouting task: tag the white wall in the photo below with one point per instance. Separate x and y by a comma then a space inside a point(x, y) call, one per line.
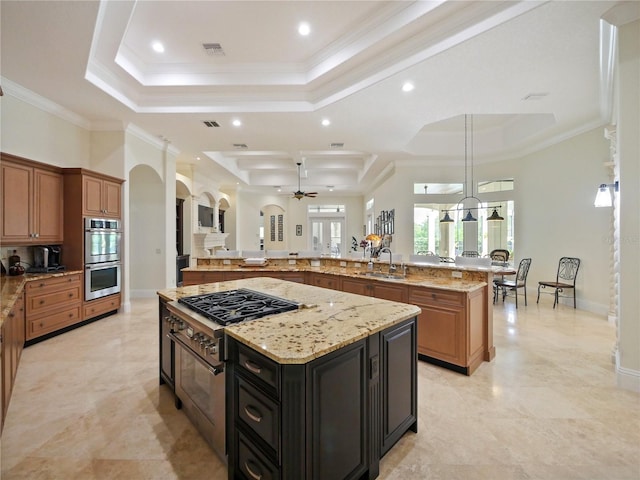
point(146, 232)
point(554, 213)
point(30, 132)
point(628, 357)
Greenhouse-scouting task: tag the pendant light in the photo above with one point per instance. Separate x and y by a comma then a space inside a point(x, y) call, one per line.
point(446, 218)
point(468, 132)
point(494, 216)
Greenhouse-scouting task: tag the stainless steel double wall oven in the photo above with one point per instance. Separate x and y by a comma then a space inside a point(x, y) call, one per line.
point(102, 257)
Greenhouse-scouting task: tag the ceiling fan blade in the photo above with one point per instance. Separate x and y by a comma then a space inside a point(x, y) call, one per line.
point(310, 194)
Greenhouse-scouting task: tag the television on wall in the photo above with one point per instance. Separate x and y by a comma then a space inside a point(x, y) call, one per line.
point(205, 216)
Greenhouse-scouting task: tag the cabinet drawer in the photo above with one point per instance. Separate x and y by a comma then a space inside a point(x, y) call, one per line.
point(46, 285)
point(252, 464)
point(43, 302)
point(258, 366)
point(98, 307)
point(52, 322)
point(260, 413)
point(434, 296)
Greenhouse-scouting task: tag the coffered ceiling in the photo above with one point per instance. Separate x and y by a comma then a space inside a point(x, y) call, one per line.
point(529, 73)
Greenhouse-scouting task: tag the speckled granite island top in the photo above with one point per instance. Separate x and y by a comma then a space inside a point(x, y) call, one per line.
point(327, 320)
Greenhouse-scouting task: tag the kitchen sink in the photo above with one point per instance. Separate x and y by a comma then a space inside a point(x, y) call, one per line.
point(388, 276)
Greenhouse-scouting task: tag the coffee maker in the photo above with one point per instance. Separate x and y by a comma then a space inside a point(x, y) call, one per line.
point(47, 258)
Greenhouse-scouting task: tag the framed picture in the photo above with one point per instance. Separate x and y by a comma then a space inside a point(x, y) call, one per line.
point(298, 230)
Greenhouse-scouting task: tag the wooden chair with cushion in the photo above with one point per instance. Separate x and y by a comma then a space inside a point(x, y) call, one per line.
point(513, 285)
point(469, 253)
point(565, 279)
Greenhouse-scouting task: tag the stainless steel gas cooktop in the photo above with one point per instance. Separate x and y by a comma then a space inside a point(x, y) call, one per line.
point(235, 306)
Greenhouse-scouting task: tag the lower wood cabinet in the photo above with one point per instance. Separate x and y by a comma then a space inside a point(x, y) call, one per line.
point(333, 282)
point(52, 304)
point(450, 327)
point(332, 418)
point(374, 288)
point(12, 339)
point(95, 308)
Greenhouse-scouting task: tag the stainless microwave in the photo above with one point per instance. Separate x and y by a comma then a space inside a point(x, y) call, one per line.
point(102, 239)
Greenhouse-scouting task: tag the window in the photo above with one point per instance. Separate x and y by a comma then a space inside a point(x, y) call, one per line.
point(437, 188)
point(446, 239)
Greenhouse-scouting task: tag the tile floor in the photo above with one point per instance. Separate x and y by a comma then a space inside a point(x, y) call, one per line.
point(87, 405)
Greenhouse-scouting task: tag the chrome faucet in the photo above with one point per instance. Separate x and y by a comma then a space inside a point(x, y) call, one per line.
point(392, 267)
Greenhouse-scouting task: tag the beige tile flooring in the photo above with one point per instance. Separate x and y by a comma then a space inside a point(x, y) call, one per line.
point(87, 405)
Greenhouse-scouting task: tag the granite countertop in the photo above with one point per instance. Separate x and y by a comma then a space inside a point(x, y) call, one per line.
point(327, 321)
point(443, 282)
point(12, 287)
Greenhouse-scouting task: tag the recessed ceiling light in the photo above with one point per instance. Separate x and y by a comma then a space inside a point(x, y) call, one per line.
point(236, 122)
point(197, 158)
point(407, 87)
point(157, 47)
point(330, 187)
point(304, 29)
point(326, 122)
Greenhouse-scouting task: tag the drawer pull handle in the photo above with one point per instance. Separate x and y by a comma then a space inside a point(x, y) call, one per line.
point(253, 474)
point(70, 294)
point(256, 417)
point(41, 285)
point(41, 302)
point(257, 369)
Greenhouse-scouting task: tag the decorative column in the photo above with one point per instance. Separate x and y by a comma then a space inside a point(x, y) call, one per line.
point(612, 166)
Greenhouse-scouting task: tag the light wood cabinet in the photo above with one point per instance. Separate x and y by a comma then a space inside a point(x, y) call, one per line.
point(450, 327)
point(101, 197)
point(325, 281)
point(52, 304)
point(374, 288)
point(86, 194)
point(12, 344)
point(95, 308)
point(32, 202)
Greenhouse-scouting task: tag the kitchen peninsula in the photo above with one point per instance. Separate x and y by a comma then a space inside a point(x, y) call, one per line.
point(323, 391)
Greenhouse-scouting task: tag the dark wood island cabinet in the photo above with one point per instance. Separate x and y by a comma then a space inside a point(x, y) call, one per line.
point(347, 408)
point(322, 392)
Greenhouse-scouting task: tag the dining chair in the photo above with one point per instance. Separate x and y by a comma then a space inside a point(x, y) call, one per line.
point(505, 286)
point(499, 255)
point(469, 253)
point(565, 280)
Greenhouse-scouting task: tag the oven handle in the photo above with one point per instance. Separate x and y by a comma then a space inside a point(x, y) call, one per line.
point(214, 369)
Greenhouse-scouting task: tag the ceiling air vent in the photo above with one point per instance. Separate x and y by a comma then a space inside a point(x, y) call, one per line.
point(213, 49)
point(336, 145)
point(240, 146)
point(211, 123)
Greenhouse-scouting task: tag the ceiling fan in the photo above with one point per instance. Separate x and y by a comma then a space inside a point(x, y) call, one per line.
point(299, 194)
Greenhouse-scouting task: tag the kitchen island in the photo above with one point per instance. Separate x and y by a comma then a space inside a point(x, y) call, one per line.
point(455, 328)
point(320, 392)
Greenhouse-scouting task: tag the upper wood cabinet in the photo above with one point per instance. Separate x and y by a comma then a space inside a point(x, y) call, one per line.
point(32, 202)
point(101, 197)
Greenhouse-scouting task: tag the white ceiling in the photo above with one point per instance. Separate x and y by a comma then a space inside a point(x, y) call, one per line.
point(482, 58)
